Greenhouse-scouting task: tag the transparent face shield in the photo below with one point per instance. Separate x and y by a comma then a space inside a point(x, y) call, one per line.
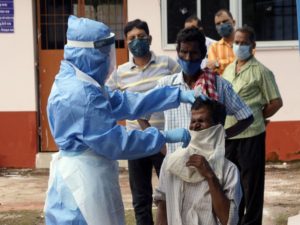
point(106, 46)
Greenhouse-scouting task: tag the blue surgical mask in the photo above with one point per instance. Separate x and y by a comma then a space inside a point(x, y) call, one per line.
point(139, 47)
point(242, 52)
point(224, 29)
point(190, 68)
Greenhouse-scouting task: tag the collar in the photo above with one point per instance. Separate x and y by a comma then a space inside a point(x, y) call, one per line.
point(178, 80)
point(223, 42)
point(132, 65)
point(251, 62)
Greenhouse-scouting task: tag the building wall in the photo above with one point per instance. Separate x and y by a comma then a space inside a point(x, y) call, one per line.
point(18, 87)
point(283, 132)
point(18, 105)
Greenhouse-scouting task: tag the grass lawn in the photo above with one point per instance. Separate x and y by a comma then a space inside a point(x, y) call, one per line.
point(36, 217)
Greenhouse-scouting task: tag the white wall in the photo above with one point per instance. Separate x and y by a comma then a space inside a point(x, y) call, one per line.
point(17, 56)
point(285, 63)
point(149, 10)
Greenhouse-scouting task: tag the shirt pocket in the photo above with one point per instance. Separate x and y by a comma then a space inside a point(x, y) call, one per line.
point(247, 88)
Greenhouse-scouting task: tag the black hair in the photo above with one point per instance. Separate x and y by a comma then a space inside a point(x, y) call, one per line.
point(137, 23)
point(224, 11)
point(249, 31)
point(192, 34)
point(216, 109)
point(194, 18)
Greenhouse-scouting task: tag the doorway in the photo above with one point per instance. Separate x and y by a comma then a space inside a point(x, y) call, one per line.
point(52, 18)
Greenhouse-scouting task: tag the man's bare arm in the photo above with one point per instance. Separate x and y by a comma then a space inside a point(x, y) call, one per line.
point(161, 215)
point(144, 124)
point(272, 107)
point(239, 127)
point(220, 202)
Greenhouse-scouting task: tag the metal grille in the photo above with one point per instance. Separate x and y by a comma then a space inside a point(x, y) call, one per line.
point(54, 18)
point(109, 12)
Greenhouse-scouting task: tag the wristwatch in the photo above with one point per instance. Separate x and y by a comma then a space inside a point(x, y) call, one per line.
point(217, 65)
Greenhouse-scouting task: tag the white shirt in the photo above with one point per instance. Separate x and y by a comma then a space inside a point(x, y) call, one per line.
point(133, 78)
point(190, 203)
point(208, 42)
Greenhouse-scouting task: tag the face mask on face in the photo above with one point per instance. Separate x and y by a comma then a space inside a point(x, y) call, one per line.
point(139, 47)
point(189, 67)
point(224, 29)
point(242, 52)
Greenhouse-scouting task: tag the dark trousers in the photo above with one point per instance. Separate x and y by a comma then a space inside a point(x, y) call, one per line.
point(140, 177)
point(249, 156)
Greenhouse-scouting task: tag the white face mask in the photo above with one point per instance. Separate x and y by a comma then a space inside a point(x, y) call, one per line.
point(242, 52)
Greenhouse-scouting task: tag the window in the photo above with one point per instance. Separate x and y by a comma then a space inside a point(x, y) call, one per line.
point(177, 12)
point(274, 21)
point(174, 13)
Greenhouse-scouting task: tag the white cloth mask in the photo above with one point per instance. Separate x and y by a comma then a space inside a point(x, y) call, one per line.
point(209, 143)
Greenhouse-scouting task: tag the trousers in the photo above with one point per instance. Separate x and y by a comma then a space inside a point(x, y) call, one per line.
point(140, 179)
point(249, 156)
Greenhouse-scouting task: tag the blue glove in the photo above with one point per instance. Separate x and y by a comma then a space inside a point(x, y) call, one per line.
point(190, 96)
point(178, 135)
point(187, 96)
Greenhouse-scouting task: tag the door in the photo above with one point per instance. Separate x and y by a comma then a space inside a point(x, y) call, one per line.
point(52, 17)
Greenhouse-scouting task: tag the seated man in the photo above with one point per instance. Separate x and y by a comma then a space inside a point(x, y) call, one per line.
point(198, 185)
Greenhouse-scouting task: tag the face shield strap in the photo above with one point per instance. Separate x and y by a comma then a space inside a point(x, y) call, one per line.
point(106, 41)
point(92, 44)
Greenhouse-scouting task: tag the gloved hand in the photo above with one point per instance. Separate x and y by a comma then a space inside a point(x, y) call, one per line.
point(187, 96)
point(198, 93)
point(190, 96)
point(178, 135)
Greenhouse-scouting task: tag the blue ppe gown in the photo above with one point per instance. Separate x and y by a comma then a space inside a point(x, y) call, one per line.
point(82, 113)
point(83, 120)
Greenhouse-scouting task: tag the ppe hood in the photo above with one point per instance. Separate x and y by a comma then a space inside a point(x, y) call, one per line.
point(90, 47)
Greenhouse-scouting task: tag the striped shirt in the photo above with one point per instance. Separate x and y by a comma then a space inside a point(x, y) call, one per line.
point(181, 116)
point(222, 52)
point(256, 85)
point(133, 78)
point(191, 204)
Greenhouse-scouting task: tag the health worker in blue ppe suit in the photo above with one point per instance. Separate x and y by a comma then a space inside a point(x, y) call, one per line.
point(82, 113)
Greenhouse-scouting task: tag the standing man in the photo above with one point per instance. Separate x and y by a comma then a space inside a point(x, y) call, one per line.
point(220, 54)
point(194, 21)
point(191, 50)
point(141, 74)
point(257, 87)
